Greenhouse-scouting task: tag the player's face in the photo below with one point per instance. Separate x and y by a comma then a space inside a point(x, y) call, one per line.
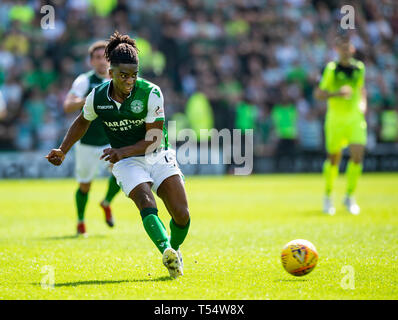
point(345, 51)
point(124, 77)
point(98, 61)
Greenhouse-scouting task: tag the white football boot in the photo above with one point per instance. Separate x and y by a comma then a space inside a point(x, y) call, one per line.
point(351, 205)
point(171, 261)
point(328, 207)
point(180, 257)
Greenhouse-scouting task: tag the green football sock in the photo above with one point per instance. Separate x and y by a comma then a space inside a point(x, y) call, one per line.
point(155, 228)
point(330, 172)
point(178, 234)
point(113, 189)
point(353, 173)
point(81, 201)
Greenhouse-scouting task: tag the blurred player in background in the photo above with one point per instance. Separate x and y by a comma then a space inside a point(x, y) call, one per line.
point(89, 149)
point(3, 107)
point(130, 107)
point(342, 85)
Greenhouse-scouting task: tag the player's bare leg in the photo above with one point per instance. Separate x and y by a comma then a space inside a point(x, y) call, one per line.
point(330, 172)
point(81, 201)
point(172, 192)
point(353, 172)
point(143, 196)
point(335, 158)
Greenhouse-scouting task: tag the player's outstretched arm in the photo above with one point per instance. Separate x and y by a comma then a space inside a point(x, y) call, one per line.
point(75, 132)
point(73, 103)
point(344, 91)
point(321, 94)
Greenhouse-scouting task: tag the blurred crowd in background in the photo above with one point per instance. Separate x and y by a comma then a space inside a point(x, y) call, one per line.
point(246, 64)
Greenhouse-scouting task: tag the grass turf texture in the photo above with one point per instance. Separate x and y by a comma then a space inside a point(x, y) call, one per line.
point(239, 226)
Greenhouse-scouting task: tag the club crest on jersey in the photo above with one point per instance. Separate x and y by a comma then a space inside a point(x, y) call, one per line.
point(137, 106)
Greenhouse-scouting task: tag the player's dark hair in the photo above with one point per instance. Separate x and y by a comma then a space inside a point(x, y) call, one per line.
point(95, 46)
point(121, 49)
point(342, 38)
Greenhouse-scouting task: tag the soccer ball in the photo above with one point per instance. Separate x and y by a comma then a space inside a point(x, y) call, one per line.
point(299, 257)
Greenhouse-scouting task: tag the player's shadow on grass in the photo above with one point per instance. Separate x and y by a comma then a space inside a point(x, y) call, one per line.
point(101, 282)
point(313, 213)
point(291, 280)
point(71, 237)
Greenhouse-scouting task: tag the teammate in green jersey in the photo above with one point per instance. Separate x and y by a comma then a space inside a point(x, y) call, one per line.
point(131, 109)
point(342, 85)
point(90, 146)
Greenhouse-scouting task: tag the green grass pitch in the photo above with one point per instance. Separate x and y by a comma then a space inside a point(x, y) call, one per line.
point(239, 226)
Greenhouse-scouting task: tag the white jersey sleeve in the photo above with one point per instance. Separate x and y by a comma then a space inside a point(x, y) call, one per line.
point(3, 106)
point(80, 86)
point(155, 106)
point(88, 108)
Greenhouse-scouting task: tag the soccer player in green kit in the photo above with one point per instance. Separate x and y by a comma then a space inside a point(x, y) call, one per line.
point(130, 108)
point(90, 146)
point(342, 85)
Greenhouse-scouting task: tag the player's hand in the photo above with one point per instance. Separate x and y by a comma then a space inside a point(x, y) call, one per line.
point(56, 156)
point(345, 92)
point(112, 155)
